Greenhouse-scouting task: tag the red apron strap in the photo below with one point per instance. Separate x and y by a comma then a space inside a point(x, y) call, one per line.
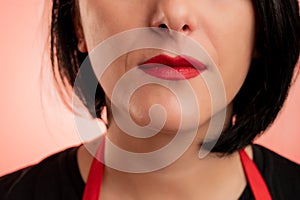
point(254, 178)
point(94, 181)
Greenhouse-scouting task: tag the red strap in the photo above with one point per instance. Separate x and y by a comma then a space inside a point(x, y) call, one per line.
point(94, 182)
point(255, 180)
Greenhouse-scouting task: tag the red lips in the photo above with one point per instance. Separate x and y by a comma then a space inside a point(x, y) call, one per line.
point(173, 68)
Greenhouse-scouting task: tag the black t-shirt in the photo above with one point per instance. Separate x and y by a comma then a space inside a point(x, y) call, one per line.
point(58, 177)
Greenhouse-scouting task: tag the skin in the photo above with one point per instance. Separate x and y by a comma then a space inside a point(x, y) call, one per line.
point(226, 30)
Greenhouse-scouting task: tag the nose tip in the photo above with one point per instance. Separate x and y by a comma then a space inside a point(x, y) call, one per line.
point(175, 15)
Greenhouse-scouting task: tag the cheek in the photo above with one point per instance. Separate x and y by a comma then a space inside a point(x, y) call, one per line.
point(235, 63)
point(102, 19)
point(233, 82)
point(112, 74)
point(97, 21)
point(234, 54)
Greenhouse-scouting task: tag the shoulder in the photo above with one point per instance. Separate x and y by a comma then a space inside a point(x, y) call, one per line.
point(59, 172)
point(281, 175)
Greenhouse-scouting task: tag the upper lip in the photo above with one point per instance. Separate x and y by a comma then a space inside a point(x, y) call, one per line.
point(178, 61)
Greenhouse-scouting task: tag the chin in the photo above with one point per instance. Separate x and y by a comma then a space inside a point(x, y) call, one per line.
point(172, 123)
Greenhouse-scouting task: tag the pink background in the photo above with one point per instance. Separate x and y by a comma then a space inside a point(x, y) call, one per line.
point(31, 130)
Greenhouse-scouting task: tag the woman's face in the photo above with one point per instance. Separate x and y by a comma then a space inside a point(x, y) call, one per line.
point(225, 28)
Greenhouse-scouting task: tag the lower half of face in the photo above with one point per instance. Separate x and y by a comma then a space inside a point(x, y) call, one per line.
point(224, 30)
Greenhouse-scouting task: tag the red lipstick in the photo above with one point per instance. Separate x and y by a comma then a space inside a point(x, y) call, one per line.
point(173, 68)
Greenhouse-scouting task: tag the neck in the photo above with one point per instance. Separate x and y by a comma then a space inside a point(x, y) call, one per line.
point(210, 178)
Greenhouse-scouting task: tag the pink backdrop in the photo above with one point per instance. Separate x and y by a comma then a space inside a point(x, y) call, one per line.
point(30, 131)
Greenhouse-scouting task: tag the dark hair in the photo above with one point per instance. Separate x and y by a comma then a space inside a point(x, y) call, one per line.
point(66, 58)
point(262, 94)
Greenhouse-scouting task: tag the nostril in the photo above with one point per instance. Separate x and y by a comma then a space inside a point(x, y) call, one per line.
point(163, 26)
point(185, 27)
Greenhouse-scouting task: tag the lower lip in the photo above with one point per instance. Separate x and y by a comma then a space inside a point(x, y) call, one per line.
point(170, 73)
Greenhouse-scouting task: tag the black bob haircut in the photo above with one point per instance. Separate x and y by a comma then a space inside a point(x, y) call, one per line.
point(262, 94)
